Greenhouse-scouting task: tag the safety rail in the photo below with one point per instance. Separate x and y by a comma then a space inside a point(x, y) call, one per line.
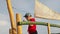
point(38, 23)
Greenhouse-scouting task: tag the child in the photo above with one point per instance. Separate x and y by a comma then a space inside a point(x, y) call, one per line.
point(31, 28)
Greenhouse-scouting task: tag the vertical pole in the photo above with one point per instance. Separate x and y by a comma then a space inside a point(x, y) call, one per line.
point(11, 14)
point(19, 27)
point(10, 31)
point(48, 28)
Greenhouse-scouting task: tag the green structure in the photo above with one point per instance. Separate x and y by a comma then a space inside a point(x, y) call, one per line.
point(55, 33)
point(38, 23)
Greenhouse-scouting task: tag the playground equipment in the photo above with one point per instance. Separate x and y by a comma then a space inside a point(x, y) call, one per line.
point(11, 13)
point(39, 23)
point(19, 27)
point(16, 27)
point(10, 31)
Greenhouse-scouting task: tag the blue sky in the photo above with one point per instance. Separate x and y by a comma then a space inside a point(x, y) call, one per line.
point(23, 6)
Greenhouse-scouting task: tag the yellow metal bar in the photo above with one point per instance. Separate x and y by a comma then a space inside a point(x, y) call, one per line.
point(48, 28)
point(19, 27)
point(11, 14)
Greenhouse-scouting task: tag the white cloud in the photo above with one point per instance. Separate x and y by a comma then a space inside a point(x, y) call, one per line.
point(3, 23)
point(3, 20)
point(3, 16)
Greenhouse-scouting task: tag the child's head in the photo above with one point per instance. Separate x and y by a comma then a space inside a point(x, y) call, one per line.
point(28, 16)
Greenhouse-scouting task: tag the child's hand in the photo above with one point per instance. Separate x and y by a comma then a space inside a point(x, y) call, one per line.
point(31, 24)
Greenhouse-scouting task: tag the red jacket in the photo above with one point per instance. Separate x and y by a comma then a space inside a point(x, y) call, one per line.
point(32, 28)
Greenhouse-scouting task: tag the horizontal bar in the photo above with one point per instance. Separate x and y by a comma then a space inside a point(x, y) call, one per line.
point(38, 23)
